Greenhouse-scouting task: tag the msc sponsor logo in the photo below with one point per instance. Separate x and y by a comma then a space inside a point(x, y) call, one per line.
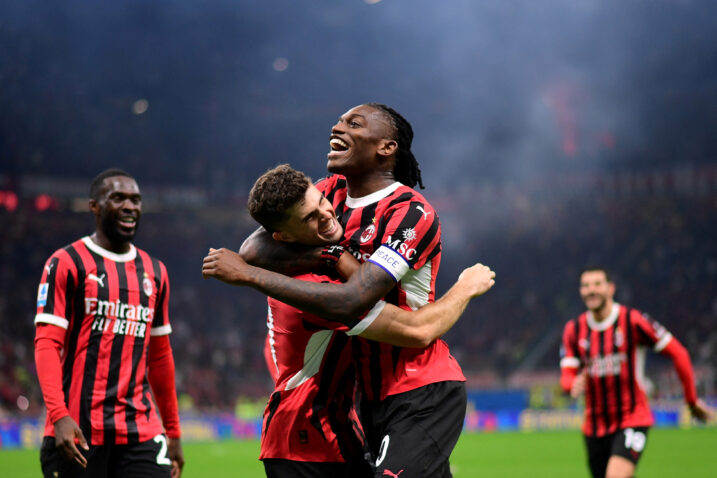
point(402, 247)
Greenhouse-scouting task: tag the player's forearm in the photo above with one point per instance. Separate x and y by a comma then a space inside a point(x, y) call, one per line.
point(437, 318)
point(49, 375)
point(340, 302)
point(161, 379)
point(567, 377)
point(261, 250)
point(683, 365)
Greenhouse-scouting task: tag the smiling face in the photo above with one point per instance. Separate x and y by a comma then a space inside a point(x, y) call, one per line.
point(360, 142)
point(597, 292)
point(117, 210)
point(311, 221)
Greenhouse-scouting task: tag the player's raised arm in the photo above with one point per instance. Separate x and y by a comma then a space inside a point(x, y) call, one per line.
point(290, 258)
point(341, 302)
point(404, 328)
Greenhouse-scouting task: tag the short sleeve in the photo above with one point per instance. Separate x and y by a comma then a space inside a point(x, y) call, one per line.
point(412, 237)
point(58, 277)
point(651, 332)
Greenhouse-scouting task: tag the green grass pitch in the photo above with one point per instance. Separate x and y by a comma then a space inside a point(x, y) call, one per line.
point(670, 453)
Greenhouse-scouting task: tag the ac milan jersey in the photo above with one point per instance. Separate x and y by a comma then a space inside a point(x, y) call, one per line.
point(109, 304)
point(398, 230)
point(612, 353)
point(310, 415)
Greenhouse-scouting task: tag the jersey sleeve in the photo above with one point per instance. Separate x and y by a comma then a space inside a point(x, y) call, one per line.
point(568, 349)
point(651, 332)
point(412, 237)
point(160, 323)
point(569, 361)
point(58, 277)
point(355, 327)
point(328, 184)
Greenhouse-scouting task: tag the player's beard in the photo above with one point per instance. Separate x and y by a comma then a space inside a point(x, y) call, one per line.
point(601, 304)
point(114, 232)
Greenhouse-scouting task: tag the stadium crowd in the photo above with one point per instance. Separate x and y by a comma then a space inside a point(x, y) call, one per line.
point(659, 245)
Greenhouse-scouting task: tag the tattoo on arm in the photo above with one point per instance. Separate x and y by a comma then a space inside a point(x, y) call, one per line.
point(261, 250)
point(341, 302)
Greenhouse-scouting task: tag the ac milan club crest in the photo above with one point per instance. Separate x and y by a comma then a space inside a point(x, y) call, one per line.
point(367, 234)
point(147, 286)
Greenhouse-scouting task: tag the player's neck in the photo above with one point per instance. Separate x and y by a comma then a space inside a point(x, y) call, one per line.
point(104, 242)
point(604, 312)
point(360, 186)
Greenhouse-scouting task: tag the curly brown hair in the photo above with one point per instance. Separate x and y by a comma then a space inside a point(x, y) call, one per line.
point(274, 193)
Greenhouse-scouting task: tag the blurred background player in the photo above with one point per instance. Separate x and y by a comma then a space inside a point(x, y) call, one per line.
point(309, 424)
point(413, 400)
point(102, 340)
point(602, 355)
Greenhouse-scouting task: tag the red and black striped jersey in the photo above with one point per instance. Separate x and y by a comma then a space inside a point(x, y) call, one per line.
point(612, 354)
point(398, 230)
point(109, 304)
point(310, 415)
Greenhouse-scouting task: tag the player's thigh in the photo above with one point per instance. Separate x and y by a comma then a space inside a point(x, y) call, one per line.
point(422, 432)
point(147, 459)
point(599, 450)
point(54, 464)
point(627, 448)
point(280, 468)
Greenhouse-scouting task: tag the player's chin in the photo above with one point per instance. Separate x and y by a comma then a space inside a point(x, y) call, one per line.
point(336, 161)
point(125, 233)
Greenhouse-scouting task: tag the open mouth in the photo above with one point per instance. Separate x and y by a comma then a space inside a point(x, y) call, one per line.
point(337, 144)
point(127, 222)
point(329, 229)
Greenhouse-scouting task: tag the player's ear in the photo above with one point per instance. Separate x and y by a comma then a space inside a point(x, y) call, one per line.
point(387, 147)
point(282, 236)
point(94, 206)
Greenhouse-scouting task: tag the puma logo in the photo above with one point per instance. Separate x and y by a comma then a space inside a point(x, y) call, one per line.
point(100, 280)
point(425, 214)
point(49, 267)
point(390, 473)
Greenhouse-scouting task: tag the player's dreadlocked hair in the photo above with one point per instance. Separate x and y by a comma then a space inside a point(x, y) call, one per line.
point(406, 170)
point(98, 181)
point(274, 193)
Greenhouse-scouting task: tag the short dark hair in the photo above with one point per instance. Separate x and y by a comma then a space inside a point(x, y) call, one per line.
point(406, 169)
point(275, 192)
point(597, 268)
point(96, 185)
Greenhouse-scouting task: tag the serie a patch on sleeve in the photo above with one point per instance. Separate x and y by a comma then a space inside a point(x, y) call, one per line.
point(42, 294)
point(390, 261)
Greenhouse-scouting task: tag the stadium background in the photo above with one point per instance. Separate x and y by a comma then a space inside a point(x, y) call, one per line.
point(550, 135)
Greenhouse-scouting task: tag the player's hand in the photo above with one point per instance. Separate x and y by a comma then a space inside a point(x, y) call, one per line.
point(478, 278)
point(175, 453)
point(701, 411)
point(66, 434)
point(578, 386)
point(226, 266)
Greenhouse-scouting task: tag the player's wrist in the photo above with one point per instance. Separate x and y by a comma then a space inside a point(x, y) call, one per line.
point(331, 254)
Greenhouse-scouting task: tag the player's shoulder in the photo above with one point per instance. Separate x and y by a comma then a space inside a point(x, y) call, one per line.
point(574, 322)
point(331, 182)
point(404, 197)
point(69, 252)
point(634, 313)
point(142, 253)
